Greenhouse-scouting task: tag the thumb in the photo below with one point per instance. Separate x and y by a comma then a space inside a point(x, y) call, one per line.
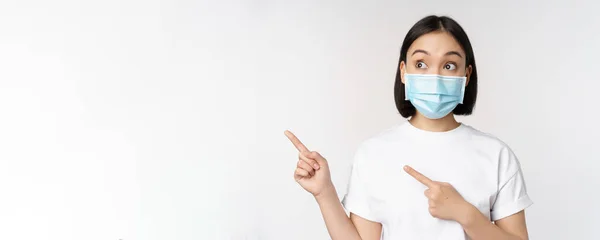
point(317, 157)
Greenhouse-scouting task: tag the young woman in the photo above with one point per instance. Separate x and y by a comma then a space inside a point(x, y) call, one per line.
point(468, 185)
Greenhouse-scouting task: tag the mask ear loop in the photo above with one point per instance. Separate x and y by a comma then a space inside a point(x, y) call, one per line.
point(463, 89)
point(464, 85)
point(406, 87)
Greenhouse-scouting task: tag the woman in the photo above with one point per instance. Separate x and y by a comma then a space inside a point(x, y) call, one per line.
point(468, 185)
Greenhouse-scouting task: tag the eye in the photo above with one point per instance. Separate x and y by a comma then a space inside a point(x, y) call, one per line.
point(450, 66)
point(421, 64)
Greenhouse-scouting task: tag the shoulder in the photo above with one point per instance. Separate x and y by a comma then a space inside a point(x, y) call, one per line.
point(486, 141)
point(507, 161)
point(484, 137)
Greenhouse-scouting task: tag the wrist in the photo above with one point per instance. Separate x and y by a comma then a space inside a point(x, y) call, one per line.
point(327, 193)
point(469, 215)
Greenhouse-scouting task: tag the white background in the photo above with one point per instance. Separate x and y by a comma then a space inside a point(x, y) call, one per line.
point(164, 119)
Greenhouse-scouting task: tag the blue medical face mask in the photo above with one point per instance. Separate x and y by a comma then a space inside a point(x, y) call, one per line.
point(434, 96)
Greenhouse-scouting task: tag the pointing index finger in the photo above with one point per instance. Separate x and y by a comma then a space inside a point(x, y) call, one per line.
point(296, 141)
point(420, 177)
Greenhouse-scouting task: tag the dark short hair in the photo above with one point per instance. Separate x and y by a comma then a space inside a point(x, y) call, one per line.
point(427, 25)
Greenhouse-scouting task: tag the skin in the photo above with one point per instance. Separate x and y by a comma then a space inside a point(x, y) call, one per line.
point(312, 173)
point(432, 53)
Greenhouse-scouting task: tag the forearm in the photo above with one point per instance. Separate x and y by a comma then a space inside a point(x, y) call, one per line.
point(477, 226)
point(339, 225)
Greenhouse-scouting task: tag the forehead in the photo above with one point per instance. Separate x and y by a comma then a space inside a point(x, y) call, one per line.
point(436, 43)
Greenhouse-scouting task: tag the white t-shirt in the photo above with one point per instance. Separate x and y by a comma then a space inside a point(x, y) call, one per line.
point(481, 168)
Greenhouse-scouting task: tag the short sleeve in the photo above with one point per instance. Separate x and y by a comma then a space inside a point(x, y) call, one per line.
point(356, 199)
point(512, 194)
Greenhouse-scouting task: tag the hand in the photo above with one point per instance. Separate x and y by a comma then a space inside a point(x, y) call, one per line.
point(444, 201)
point(312, 170)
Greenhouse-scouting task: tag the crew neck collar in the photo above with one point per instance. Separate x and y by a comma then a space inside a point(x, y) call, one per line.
point(419, 131)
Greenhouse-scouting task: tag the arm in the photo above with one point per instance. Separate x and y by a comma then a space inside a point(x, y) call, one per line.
point(339, 225)
point(312, 173)
point(477, 226)
point(446, 203)
point(507, 210)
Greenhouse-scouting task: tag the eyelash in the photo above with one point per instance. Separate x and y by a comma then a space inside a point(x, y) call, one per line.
point(448, 63)
point(455, 66)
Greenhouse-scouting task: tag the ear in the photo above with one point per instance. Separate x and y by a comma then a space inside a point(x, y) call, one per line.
point(469, 71)
point(402, 71)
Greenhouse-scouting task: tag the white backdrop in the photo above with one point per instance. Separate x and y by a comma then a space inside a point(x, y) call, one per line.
point(164, 119)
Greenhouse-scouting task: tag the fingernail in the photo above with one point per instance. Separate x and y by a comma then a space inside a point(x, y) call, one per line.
point(316, 166)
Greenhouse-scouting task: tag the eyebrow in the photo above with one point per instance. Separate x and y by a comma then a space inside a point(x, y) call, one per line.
point(453, 53)
point(425, 52)
point(420, 51)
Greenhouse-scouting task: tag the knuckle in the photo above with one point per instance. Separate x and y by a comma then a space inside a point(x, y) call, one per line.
point(432, 211)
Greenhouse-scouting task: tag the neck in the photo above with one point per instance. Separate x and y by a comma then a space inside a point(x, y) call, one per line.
point(444, 124)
